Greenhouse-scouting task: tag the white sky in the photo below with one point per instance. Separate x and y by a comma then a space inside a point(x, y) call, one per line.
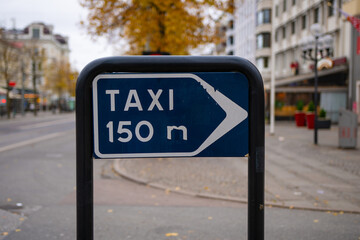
point(65, 16)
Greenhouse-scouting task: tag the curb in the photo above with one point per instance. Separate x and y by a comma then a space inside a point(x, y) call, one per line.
point(131, 177)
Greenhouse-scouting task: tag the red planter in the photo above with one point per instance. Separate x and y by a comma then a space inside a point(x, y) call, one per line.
point(300, 119)
point(310, 120)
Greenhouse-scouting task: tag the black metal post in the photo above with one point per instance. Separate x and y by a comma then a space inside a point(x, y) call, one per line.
point(256, 167)
point(84, 162)
point(316, 91)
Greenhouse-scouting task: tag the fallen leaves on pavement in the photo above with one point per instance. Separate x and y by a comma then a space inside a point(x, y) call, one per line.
point(171, 234)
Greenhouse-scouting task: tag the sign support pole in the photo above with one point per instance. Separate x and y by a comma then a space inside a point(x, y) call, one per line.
point(256, 165)
point(84, 163)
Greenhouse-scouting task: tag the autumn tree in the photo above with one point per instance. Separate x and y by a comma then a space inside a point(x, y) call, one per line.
point(9, 66)
point(174, 26)
point(60, 78)
point(71, 82)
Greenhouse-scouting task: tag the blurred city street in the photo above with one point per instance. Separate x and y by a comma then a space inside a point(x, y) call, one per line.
point(311, 191)
point(180, 119)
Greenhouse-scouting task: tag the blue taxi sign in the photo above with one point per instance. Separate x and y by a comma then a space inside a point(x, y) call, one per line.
point(170, 115)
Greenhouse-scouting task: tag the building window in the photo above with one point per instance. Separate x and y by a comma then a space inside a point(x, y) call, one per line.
point(276, 10)
point(284, 31)
point(46, 31)
point(263, 40)
point(293, 27)
point(303, 22)
point(231, 40)
point(266, 62)
point(293, 2)
point(262, 62)
point(276, 35)
point(259, 18)
point(230, 53)
point(284, 6)
point(316, 15)
point(231, 24)
point(36, 33)
point(331, 8)
point(267, 15)
point(263, 17)
point(259, 41)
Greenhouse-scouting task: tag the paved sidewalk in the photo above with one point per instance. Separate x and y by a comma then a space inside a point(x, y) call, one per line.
point(298, 173)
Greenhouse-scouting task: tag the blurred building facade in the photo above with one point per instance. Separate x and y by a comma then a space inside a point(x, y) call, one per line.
point(241, 34)
point(294, 75)
point(9, 71)
point(263, 31)
point(230, 36)
point(352, 7)
point(250, 33)
point(40, 47)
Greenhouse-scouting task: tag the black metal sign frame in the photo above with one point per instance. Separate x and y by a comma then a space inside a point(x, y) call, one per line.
point(167, 64)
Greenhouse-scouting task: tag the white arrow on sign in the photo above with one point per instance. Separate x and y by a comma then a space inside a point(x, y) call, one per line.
point(234, 115)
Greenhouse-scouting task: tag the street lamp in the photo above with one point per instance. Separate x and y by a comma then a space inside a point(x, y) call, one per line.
point(313, 49)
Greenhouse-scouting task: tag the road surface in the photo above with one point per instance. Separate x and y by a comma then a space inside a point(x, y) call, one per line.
point(37, 198)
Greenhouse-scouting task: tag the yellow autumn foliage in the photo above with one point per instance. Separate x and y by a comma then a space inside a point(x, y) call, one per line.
point(173, 26)
point(60, 78)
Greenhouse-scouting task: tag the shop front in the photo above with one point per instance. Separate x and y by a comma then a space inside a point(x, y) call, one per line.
point(299, 88)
